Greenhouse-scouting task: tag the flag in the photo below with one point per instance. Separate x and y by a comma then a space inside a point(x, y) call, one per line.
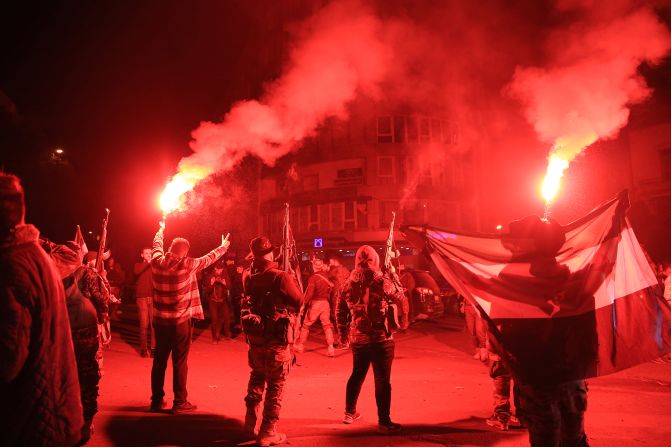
point(79, 239)
point(561, 302)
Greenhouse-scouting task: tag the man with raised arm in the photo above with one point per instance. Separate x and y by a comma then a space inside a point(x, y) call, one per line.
point(176, 303)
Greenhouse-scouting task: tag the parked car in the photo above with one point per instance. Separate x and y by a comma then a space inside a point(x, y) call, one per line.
point(424, 296)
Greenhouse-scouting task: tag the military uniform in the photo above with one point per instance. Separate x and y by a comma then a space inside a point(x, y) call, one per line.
point(87, 299)
point(268, 318)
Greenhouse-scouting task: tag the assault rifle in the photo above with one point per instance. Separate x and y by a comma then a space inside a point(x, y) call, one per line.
point(104, 329)
point(289, 255)
point(100, 265)
point(291, 265)
point(388, 267)
point(389, 272)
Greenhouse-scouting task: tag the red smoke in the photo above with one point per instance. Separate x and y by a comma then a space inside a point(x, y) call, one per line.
point(584, 91)
point(339, 54)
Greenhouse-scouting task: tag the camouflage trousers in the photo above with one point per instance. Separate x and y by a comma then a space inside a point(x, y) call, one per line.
point(270, 366)
point(502, 380)
point(555, 414)
point(318, 310)
point(89, 367)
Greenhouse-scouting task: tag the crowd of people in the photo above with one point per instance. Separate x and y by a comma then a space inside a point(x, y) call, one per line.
point(55, 303)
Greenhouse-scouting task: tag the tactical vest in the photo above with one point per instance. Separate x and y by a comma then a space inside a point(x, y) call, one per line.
point(264, 316)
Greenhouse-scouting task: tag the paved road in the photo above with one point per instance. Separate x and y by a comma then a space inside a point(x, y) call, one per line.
point(440, 394)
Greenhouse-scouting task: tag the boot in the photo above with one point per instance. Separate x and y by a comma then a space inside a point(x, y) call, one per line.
point(275, 438)
point(268, 435)
point(250, 420)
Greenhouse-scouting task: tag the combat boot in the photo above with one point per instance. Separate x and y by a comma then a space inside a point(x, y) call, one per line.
point(268, 436)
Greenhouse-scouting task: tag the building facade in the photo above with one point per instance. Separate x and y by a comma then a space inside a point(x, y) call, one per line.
point(344, 183)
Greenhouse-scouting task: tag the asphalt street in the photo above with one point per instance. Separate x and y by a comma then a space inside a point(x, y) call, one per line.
point(441, 395)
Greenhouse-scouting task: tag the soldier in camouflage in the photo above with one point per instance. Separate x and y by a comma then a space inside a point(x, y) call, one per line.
point(268, 318)
point(87, 298)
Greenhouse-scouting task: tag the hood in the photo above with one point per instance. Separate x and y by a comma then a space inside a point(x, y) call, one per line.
point(367, 258)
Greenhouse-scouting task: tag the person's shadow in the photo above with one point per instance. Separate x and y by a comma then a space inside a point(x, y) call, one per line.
point(188, 430)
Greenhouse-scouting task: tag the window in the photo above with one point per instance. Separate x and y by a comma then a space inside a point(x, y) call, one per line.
point(436, 131)
point(385, 170)
point(665, 161)
point(349, 176)
point(362, 214)
point(425, 171)
point(313, 221)
point(303, 217)
point(424, 130)
point(336, 216)
point(384, 130)
point(411, 129)
point(323, 216)
point(349, 219)
point(399, 129)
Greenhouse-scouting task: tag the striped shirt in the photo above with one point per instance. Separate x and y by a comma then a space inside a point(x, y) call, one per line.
point(176, 297)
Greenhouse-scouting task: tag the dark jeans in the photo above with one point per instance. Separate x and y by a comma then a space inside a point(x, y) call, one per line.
point(381, 356)
point(175, 340)
point(220, 313)
point(555, 414)
point(145, 312)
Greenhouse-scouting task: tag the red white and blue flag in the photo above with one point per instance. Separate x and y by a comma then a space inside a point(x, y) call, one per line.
point(591, 308)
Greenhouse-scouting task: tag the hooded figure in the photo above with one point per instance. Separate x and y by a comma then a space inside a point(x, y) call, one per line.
point(362, 312)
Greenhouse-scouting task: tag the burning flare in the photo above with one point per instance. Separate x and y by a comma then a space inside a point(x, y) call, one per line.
point(563, 152)
point(172, 197)
point(555, 171)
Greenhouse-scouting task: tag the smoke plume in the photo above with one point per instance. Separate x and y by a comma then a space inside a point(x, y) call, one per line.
point(338, 54)
point(584, 91)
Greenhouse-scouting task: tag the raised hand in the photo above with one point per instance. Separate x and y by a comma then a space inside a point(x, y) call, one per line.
point(224, 240)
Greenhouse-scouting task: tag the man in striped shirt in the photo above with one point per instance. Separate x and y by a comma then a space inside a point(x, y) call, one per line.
point(176, 302)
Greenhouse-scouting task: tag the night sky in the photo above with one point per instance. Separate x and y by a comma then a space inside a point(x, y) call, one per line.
point(121, 85)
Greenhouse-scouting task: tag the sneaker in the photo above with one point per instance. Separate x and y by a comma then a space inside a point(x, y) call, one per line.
point(274, 438)
point(298, 347)
point(476, 356)
point(330, 351)
point(186, 407)
point(389, 427)
point(144, 353)
point(484, 355)
point(351, 417)
point(157, 406)
point(343, 346)
point(497, 422)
